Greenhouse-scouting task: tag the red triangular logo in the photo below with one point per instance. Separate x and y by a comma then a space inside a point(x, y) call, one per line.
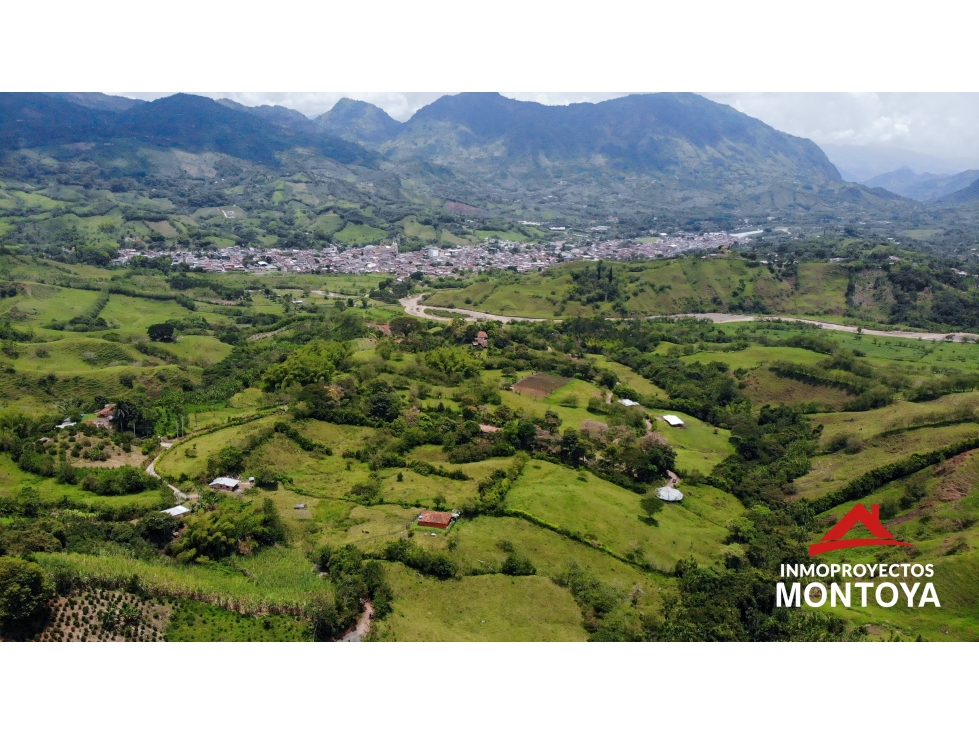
point(870, 519)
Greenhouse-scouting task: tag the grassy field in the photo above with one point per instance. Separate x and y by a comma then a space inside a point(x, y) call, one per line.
point(135, 315)
point(175, 462)
point(764, 387)
point(203, 349)
point(666, 287)
point(479, 608)
point(194, 621)
point(698, 445)
point(359, 234)
point(754, 356)
point(629, 377)
point(941, 525)
point(12, 480)
point(832, 472)
point(611, 516)
point(870, 423)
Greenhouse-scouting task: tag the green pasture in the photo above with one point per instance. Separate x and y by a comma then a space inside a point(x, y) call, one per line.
point(174, 462)
point(359, 234)
point(869, 423)
point(764, 387)
point(834, 471)
point(75, 354)
point(477, 547)
point(698, 445)
point(135, 315)
point(628, 377)
point(368, 528)
point(12, 480)
point(754, 356)
point(413, 228)
point(479, 608)
point(46, 303)
point(206, 350)
point(942, 528)
point(610, 515)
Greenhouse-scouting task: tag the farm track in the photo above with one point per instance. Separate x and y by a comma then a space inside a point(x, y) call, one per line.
point(363, 628)
point(151, 470)
point(414, 307)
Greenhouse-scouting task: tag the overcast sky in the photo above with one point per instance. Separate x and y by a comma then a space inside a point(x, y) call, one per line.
point(868, 133)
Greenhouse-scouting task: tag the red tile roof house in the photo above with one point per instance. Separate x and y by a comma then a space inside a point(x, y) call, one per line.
point(435, 519)
point(480, 340)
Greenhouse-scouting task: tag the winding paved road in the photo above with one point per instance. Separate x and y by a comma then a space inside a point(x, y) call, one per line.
point(414, 307)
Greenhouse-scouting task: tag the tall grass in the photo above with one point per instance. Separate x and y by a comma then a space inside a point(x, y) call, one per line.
point(275, 581)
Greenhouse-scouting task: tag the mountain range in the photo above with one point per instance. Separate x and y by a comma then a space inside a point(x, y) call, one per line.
point(640, 153)
point(923, 186)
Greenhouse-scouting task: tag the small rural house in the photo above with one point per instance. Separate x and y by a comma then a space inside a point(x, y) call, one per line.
point(224, 483)
point(435, 519)
point(673, 421)
point(481, 340)
point(178, 511)
point(103, 417)
point(669, 494)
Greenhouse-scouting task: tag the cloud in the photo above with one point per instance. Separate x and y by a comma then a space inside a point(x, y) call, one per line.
point(935, 124)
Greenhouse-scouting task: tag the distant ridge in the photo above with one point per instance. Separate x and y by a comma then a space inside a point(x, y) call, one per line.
point(184, 121)
point(358, 121)
point(923, 186)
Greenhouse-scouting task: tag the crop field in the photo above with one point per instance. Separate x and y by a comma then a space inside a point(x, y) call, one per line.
point(539, 386)
point(277, 580)
point(193, 621)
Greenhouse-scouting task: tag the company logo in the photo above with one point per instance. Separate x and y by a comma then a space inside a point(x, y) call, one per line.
point(870, 519)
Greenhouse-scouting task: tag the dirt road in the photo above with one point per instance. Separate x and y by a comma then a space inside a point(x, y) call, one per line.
point(358, 633)
point(414, 307)
point(151, 470)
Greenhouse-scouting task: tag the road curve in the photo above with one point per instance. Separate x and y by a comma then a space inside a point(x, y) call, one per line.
point(414, 307)
point(151, 470)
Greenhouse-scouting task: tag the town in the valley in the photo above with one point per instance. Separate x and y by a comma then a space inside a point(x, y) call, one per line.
point(433, 261)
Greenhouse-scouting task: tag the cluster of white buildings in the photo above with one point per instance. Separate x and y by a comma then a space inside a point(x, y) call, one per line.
point(432, 261)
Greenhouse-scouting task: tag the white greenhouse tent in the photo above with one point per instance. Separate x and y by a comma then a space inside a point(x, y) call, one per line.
point(669, 494)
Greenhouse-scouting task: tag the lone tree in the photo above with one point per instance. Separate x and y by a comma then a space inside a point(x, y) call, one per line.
point(160, 332)
point(651, 504)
